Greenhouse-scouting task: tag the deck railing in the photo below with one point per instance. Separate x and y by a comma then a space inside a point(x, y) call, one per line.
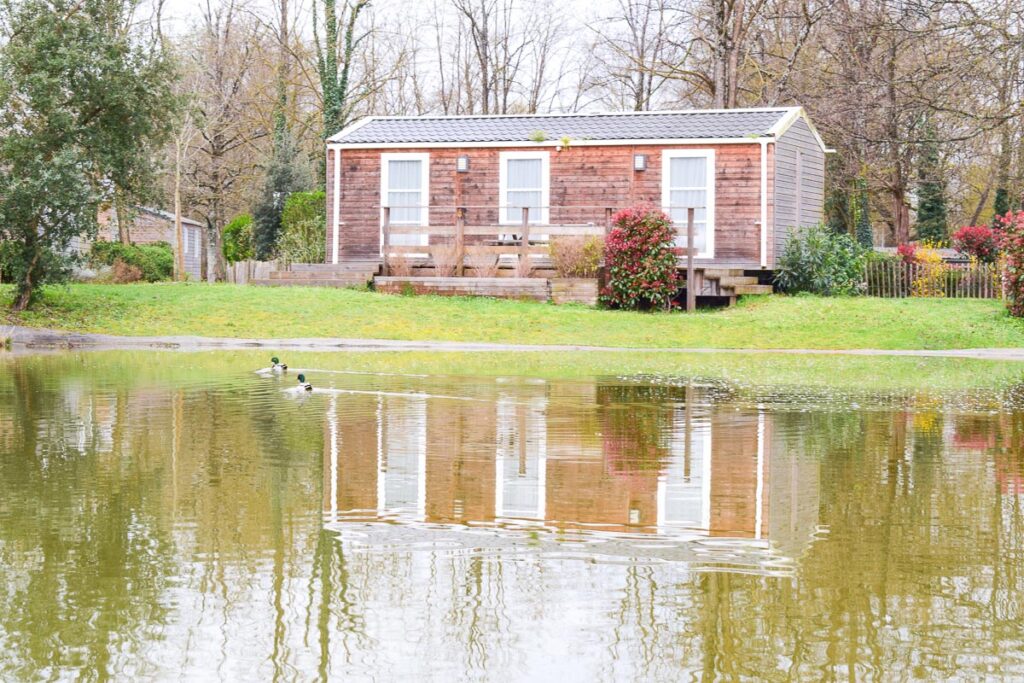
point(520, 240)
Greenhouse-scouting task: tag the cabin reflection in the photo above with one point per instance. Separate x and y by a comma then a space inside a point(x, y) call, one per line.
point(611, 457)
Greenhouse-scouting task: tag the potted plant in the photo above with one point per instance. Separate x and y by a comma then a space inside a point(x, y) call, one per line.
point(576, 261)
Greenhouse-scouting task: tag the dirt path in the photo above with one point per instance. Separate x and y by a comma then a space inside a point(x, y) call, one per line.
point(27, 338)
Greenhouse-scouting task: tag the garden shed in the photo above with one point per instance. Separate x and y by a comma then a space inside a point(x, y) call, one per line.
point(150, 225)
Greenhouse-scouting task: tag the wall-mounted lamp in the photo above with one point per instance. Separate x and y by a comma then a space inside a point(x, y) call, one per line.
point(639, 162)
point(462, 164)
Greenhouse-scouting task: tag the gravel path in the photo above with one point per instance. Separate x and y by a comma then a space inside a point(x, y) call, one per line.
point(24, 338)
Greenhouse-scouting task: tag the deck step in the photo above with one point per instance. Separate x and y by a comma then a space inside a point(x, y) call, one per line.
point(736, 280)
point(718, 273)
point(752, 289)
point(345, 267)
point(357, 281)
point(319, 275)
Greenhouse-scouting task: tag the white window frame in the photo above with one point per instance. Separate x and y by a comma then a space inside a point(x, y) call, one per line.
point(424, 159)
point(545, 188)
point(666, 191)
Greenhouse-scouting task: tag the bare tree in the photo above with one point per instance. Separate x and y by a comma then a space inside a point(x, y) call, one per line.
point(224, 59)
point(638, 51)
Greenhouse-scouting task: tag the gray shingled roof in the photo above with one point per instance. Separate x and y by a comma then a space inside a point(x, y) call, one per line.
point(736, 123)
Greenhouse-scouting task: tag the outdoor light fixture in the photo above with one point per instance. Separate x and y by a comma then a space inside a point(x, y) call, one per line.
point(639, 162)
point(462, 164)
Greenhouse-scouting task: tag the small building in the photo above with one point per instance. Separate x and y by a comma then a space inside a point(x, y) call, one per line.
point(751, 175)
point(149, 226)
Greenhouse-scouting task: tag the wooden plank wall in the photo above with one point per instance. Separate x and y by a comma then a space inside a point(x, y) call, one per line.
point(582, 175)
point(799, 183)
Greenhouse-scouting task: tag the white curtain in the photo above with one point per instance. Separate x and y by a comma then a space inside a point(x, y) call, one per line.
point(524, 188)
point(688, 188)
point(405, 191)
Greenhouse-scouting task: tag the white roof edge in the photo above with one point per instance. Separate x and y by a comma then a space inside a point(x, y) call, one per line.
point(792, 116)
point(167, 215)
point(549, 143)
point(648, 112)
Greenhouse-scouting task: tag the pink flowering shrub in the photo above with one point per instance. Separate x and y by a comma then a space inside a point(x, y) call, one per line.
point(907, 252)
point(640, 260)
point(979, 241)
point(1012, 243)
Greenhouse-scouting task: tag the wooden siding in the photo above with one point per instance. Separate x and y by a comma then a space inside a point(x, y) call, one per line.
point(193, 256)
point(583, 176)
point(799, 183)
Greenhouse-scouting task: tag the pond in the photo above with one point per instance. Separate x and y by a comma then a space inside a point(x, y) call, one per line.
point(179, 515)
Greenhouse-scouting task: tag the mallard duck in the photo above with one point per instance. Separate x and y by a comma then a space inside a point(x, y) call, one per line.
point(303, 383)
point(276, 365)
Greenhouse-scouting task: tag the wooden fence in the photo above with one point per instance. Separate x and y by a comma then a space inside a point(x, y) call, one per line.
point(897, 280)
point(242, 272)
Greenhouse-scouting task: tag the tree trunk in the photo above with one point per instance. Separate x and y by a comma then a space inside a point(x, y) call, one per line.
point(718, 67)
point(735, 33)
point(120, 220)
point(27, 287)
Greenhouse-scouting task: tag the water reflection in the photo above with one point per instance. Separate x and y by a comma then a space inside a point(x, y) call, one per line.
point(208, 526)
point(596, 456)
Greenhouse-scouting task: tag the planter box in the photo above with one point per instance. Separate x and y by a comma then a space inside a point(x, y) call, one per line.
point(501, 287)
point(574, 290)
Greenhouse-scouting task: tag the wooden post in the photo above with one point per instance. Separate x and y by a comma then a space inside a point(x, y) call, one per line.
point(524, 244)
point(608, 219)
point(386, 240)
point(691, 277)
point(460, 241)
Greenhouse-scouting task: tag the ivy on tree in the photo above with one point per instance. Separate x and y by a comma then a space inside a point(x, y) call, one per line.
point(865, 235)
point(85, 106)
point(285, 175)
point(1000, 206)
point(932, 224)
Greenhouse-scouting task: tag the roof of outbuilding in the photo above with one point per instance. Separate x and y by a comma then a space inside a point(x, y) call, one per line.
point(639, 126)
point(167, 215)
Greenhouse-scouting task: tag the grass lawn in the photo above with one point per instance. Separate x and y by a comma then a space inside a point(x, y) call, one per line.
point(763, 322)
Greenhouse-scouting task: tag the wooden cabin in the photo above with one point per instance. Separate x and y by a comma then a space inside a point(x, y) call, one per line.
point(399, 185)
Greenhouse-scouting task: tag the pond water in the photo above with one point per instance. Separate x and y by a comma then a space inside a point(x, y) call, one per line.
point(170, 515)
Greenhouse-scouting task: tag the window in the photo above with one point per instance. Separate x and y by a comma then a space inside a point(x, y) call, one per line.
point(688, 180)
point(197, 235)
point(405, 189)
point(524, 180)
point(184, 238)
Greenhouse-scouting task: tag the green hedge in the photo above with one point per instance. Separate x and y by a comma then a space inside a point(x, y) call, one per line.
point(156, 261)
point(237, 239)
point(819, 261)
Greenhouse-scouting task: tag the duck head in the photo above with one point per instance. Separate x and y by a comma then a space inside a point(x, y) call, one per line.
point(274, 360)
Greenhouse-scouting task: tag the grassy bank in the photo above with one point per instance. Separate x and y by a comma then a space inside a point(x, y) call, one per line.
point(767, 322)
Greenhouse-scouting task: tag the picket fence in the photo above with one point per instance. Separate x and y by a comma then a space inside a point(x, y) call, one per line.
point(897, 280)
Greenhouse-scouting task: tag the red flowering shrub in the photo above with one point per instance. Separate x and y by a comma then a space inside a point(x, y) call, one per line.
point(640, 261)
point(907, 252)
point(979, 241)
point(1012, 243)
